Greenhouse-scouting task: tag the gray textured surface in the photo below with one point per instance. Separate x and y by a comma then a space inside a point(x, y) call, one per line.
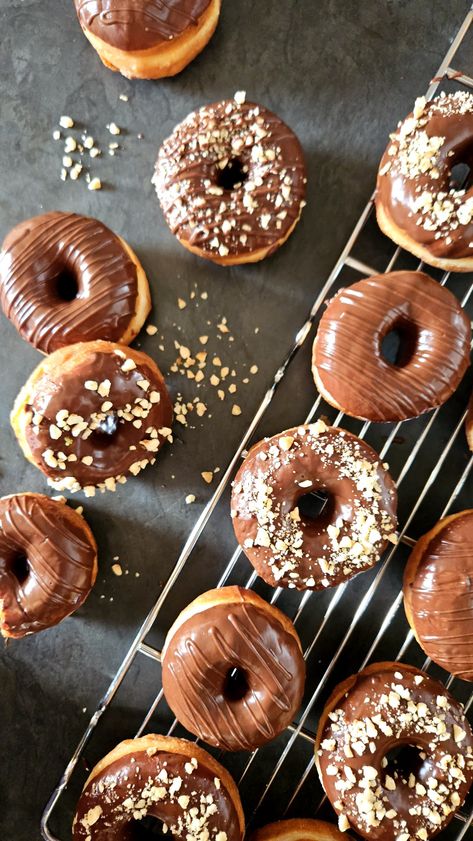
point(340, 74)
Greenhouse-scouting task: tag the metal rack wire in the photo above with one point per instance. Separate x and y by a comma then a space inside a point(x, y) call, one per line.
point(269, 776)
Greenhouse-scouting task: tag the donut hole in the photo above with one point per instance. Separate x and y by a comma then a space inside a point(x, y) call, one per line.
point(105, 433)
point(20, 568)
point(399, 344)
point(66, 287)
point(460, 176)
point(148, 828)
point(315, 505)
point(402, 761)
point(232, 175)
point(236, 684)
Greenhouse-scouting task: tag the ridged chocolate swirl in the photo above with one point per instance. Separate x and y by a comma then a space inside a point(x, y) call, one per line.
point(261, 208)
point(35, 256)
point(435, 346)
point(202, 652)
point(414, 183)
point(441, 596)
point(139, 24)
point(165, 785)
point(57, 563)
point(382, 794)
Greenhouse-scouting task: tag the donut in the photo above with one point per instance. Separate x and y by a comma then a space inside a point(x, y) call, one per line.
point(233, 670)
point(231, 181)
point(148, 39)
point(434, 347)
point(438, 593)
point(48, 563)
point(299, 829)
point(91, 414)
point(419, 205)
point(272, 498)
point(394, 752)
point(469, 423)
point(66, 278)
point(161, 777)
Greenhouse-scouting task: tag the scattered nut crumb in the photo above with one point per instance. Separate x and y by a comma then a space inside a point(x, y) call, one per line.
point(236, 410)
point(117, 570)
point(207, 476)
point(190, 498)
point(95, 184)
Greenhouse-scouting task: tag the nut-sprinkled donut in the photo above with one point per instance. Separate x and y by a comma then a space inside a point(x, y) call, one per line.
point(66, 278)
point(348, 363)
point(148, 39)
point(48, 563)
point(299, 829)
point(233, 670)
point(170, 779)
point(394, 753)
point(231, 181)
point(438, 593)
point(469, 423)
point(418, 205)
point(289, 548)
point(90, 414)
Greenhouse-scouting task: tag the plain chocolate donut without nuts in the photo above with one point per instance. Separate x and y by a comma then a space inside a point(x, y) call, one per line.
point(291, 550)
point(384, 794)
point(348, 364)
point(92, 414)
point(66, 278)
point(438, 593)
point(225, 630)
point(48, 563)
point(170, 779)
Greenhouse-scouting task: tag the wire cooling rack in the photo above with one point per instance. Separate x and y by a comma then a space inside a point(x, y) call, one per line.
point(342, 629)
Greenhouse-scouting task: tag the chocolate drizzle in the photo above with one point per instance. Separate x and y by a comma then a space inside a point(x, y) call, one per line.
point(414, 184)
point(248, 144)
point(410, 796)
point(434, 331)
point(182, 792)
point(99, 415)
point(201, 653)
point(38, 253)
point(139, 24)
point(58, 559)
point(441, 595)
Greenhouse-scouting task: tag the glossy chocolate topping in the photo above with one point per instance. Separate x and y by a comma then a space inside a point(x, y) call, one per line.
point(469, 423)
point(47, 563)
point(181, 792)
point(441, 596)
point(45, 260)
point(415, 185)
point(98, 418)
point(291, 549)
point(384, 796)
point(435, 337)
point(139, 24)
point(201, 654)
point(231, 179)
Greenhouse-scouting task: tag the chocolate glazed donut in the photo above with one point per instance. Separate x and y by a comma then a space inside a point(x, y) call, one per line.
point(394, 751)
point(171, 780)
point(48, 563)
point(66, 278)
point(435, 335)
point(233, 670)
point(438, 593)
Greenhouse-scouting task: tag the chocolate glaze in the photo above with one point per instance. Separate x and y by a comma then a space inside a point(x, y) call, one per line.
point(441, 596)
point(139, 24)
point(448, 231)
point(469, 423)
point(60, 557)
point(435, 338)
point(201, 653)
point(113, 456)
point(138, 785)
point(394, 706)
point(37, 253)
point(256, 213)
point(349, 536)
